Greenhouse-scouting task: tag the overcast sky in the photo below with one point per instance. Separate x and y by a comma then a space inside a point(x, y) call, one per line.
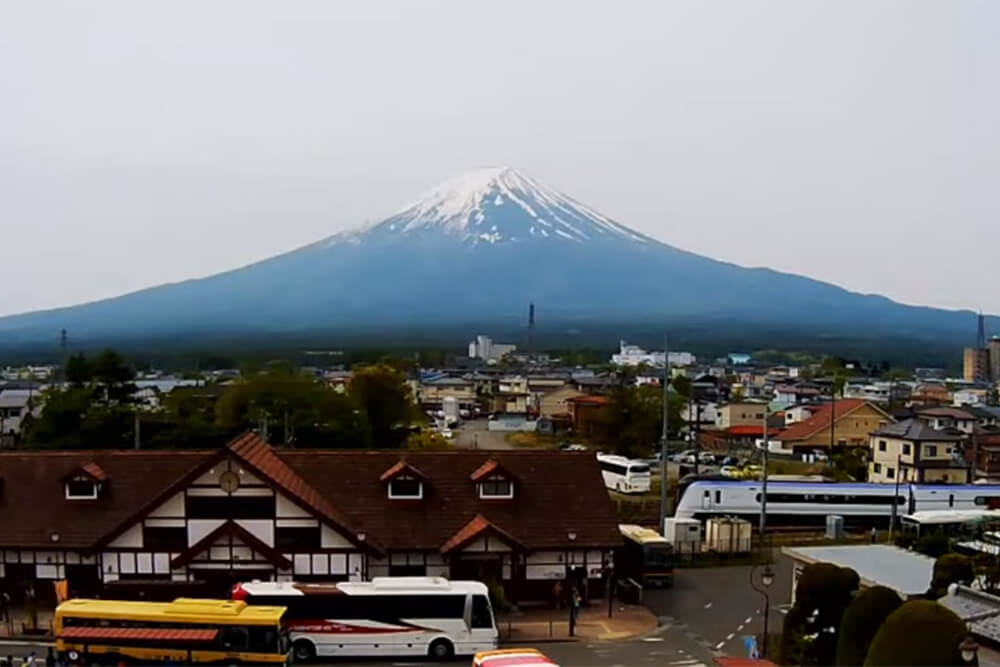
point(852, 141)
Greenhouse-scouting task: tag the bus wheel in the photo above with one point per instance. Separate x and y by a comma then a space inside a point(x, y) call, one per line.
point(441, 649)
point(303, 650)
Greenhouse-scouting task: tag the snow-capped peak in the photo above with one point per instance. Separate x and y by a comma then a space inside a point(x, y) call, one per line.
point(498, 205)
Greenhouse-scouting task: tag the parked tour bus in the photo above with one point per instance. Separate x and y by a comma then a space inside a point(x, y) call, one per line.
point(184, 631)
point(624, 475)
point(388, 616)
point(646, 556)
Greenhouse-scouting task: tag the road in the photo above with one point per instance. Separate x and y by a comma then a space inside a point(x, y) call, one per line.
point(668, 646)
point(718, 605)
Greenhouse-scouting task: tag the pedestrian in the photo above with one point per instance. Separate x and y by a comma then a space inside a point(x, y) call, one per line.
point(874, 534)
point(557, 593)
point(4, 607)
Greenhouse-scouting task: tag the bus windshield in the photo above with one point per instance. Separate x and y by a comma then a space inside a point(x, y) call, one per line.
point(659, 555)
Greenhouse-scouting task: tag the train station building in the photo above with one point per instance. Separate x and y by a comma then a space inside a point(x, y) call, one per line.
point(156, 524)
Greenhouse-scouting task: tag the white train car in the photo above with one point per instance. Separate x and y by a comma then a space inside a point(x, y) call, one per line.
point(801, 503)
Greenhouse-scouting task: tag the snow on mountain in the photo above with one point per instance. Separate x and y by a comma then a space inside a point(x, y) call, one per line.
point(497, 205)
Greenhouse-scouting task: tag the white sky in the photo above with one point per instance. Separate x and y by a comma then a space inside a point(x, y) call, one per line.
point(854, 141)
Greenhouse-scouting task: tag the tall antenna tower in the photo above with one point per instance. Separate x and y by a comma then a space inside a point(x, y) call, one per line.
point(981, 333)
point(531, 330)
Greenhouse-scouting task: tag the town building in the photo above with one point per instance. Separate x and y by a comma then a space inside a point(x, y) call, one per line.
point(906, 572)
point(916, 452)
point(976, 364)
point(434, 392)
point(633, 355)
point(739, 413)
point(851, 420)
point(948, 418)
point(163, 523)
point(485, 349)
point(556, 404)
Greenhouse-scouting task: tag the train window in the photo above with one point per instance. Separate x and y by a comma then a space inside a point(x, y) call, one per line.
point(757, 498)
point(707, 494)
point(718, 496)
point(951, 500)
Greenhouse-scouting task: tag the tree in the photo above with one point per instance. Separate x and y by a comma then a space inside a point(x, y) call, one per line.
point(920, 632)
point(632, 420)
point(839, 382)
point(382, 395)
point(281, 398)
point(78, 370)
point(682, 385)
point(811, 625)
point(113, 376)
point(427, 441)
point(950, 569)
point(933, 545)
point(862, 619)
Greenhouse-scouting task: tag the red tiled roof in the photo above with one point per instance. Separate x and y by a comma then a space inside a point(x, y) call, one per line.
point(589, 400)
point(95, 471)
point(400, 467)
point(470, 531)
point(230, 529)
point(259, 455)
point(488, 468)
point(554, 490)
point(33, 503)
point(746, 430)
point(820, 419)
point(157, 634)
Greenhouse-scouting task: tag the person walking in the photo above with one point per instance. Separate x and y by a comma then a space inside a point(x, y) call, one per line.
point(4, 607)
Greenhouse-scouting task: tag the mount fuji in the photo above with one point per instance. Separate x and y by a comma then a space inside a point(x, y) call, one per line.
point(477, 249)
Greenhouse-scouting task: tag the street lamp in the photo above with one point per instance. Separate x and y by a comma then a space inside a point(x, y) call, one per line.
point(766, 578)
point(969, 649)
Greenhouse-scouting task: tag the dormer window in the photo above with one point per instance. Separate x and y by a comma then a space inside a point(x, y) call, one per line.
point(493, 481)
point(496, 486)
point(85, 482)
point(81, 487)
point(406, 487)
point(404, 482)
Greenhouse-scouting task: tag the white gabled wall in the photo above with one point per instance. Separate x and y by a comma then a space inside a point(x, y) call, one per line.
point(174, 507)
point(131, 538)
point(331, 539)
point(287, 509)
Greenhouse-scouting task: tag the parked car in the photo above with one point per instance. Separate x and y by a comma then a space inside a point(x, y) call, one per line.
point(511, 657)
point(572, 447)
point(729, 471)
point(730, 461)
point(820, 455)
point(683, 457)
point(688, 459)
point(706, 457)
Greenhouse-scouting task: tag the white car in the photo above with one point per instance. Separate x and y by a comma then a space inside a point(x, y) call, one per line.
point(706, 457)
point(729, 471)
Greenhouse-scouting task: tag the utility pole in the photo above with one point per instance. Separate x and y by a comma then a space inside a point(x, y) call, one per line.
point(763, 488)
point(664, 483)
point(136, 431)
point(833, 412)
point(892, 519)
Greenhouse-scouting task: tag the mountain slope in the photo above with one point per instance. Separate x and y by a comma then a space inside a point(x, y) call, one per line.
point(478, 248)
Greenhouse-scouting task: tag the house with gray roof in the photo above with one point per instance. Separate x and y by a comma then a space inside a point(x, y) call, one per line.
point(913, 451)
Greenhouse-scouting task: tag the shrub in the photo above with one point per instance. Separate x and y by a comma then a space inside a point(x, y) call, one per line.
point(862, 619)
point(811, 625)
point(933, 545)
point(950, 569)
point(920, 632)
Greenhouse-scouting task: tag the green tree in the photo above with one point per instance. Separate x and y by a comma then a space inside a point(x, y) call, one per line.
point(920, 632)
point(383, 396)
point(427, 441)
point(839, 382)
point(78, 370)
point(113, 376)
point(60, 425)
point(631, 422)
point(933, 545)
point(682, 385)
point(950, 569)
point(811, 626)
point(862, 619)
point(282, 398)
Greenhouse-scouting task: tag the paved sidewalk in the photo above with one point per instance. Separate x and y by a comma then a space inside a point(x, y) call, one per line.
point(593, 624)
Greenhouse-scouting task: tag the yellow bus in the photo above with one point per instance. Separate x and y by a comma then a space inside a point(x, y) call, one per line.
point(186, 630)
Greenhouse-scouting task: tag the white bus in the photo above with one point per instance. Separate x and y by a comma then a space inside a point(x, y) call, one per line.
point(624, 475)
point(388, 616)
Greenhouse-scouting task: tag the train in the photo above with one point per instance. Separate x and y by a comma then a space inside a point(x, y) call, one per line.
point(806, 503)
